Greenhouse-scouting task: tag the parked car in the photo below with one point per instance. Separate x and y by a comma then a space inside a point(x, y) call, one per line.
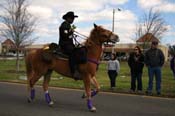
point(11, 54)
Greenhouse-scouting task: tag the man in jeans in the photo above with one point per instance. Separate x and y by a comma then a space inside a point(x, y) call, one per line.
point(154, 60)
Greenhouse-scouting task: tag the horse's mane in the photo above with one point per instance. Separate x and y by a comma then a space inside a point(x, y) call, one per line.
point(93, 34)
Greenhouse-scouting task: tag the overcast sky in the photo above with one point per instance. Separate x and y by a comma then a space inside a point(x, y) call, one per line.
point(50, 12)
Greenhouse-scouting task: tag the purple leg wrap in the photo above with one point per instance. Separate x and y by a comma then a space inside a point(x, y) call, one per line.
point(47, 97)
point(93, 93)
point(89, 104)
point(32, 94)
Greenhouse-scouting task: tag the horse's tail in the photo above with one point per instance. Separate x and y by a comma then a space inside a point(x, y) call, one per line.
point(28, 68)
point(28, 65)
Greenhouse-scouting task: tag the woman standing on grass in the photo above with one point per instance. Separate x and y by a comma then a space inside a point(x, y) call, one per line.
point(172, 60)
point(113, 68)
point(136, 64)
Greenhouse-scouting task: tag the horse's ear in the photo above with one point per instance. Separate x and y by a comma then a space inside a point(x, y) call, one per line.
point(95, 26)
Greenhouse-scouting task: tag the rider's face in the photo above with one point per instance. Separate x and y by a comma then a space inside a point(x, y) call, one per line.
point(70, 20)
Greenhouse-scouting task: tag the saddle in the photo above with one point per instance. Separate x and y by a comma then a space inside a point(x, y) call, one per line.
point(56, 51)
point(79, 54)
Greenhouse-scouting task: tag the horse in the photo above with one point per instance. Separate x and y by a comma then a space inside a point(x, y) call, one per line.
point(37, 67)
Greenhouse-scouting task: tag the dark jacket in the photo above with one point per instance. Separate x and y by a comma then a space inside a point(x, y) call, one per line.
point(154, 58)
point(66, 37)
point(172, 64)
point(136, 62)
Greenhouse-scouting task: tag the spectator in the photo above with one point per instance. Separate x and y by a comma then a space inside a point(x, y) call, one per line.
point(172, 65)
point(136, 64)
point(154, 60)
point(113, 68)
point(172, 61)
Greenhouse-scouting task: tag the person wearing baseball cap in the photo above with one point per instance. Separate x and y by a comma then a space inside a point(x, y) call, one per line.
point(154, 60)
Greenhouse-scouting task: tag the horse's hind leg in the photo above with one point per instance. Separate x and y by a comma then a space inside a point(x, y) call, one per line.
point(30, 88)
point(31, 94)
point(32, 79)
point(45, 87)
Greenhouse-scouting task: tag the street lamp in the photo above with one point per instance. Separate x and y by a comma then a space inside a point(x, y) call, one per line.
point(113, 18)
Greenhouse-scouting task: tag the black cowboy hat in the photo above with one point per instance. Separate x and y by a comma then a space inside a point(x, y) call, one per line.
point(69, 14)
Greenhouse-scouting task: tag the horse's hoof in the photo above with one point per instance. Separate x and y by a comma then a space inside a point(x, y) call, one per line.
point(93, 109)
point(51, 103)
point(29, 100)
point(83, 96)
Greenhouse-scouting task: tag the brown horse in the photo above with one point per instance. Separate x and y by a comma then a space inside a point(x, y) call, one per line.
point(37, 67)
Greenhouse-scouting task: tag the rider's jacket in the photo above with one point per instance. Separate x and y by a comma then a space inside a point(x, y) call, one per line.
point(66, 36)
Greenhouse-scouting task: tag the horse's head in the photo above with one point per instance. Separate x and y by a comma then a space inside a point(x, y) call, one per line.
point(100, 35)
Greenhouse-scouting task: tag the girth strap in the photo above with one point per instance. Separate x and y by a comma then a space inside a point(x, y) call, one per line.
point(94, 61)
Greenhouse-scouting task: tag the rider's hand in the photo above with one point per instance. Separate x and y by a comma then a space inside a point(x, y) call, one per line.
point(73, 27)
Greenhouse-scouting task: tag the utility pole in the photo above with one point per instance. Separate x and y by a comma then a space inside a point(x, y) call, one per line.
point(113, 18)
point(113, 23)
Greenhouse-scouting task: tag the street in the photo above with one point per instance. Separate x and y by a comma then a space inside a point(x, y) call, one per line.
point(68, 102)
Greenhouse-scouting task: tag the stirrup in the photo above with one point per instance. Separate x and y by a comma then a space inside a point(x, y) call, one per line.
point(77, 75)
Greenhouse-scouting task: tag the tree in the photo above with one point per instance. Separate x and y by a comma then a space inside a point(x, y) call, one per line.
point(152, 22)
point(18, 24)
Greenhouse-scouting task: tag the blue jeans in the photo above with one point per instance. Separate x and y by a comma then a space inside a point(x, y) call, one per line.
point(112, 76)
point(157, 72)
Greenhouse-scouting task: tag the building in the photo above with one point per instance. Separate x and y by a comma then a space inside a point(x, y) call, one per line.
point(8, 47)
point(123, 50)
point(147, 38)
point(36, 46)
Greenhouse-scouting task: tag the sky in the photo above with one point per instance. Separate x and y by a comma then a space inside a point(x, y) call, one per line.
point(50, 12)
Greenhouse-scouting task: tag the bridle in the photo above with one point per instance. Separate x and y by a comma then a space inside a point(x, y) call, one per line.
point(92, 60)
point(96, 61)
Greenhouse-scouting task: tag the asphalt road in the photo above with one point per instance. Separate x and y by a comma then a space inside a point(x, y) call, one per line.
point(13, 102)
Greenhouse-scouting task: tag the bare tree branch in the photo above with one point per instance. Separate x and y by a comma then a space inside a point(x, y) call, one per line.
point(152, 22)
point(19, 24)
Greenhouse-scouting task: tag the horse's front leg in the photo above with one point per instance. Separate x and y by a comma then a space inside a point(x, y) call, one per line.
point(46, 86)
point(96, 85)
point(95, 91)
point(87, 82)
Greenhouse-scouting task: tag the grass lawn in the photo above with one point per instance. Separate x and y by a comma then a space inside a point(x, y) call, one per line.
point(8, 73)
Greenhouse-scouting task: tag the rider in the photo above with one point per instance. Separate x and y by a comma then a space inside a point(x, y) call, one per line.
point(66, 38)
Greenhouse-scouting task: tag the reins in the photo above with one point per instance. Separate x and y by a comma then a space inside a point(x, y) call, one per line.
point(80, 35)
point(77, 34)
point(92, 60)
